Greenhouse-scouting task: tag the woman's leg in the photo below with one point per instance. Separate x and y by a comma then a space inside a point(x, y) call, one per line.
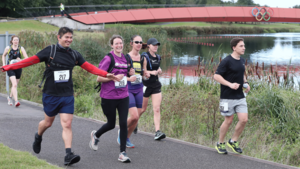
point(123, 115)
point(14, 92)
point(109, 109)
point(156, 102)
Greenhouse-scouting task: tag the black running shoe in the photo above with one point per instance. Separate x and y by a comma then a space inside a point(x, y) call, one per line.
point(71, 158)
point(37, 143)
point(135, 130)
point(221, 148)
point(234, 146)
point(159, 135)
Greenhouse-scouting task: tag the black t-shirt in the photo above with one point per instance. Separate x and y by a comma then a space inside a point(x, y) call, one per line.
point(153, 80)
point(63, 57)
point(232, 70)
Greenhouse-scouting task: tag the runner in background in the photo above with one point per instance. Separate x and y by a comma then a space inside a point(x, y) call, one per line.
point(14, 51)
point(135, 88)
point(230, 74)
point(153, 86)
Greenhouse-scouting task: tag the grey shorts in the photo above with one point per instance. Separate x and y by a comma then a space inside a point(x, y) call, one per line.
point(228, 107)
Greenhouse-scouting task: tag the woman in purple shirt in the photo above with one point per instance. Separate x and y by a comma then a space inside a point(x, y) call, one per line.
point(114, 96)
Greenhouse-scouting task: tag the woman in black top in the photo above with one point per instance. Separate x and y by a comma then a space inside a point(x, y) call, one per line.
point(14, 52)
point(152, 84)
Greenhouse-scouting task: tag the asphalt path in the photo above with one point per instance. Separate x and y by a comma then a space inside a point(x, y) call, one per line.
point(18, 126)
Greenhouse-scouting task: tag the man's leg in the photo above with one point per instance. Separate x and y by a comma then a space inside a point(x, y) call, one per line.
point(66, 123)
point(224, 128)
point(243, 118)
point(43, 126)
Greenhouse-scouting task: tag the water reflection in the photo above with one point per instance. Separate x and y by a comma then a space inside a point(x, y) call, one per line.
point(271, 48)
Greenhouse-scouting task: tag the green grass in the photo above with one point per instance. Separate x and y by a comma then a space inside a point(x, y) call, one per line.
point(18, 26)
point(13, 159)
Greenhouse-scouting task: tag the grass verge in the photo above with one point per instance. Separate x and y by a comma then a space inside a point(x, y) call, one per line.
point(13, 159)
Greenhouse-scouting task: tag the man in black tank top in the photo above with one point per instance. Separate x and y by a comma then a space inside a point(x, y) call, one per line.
point(230, 74)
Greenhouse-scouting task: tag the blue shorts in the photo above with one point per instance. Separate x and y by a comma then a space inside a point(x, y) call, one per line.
point(58, 104)
point(136, 98)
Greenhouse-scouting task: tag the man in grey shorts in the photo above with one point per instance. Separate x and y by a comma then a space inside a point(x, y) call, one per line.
point(230, 74)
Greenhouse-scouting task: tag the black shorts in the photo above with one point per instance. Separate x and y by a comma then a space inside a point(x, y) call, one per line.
point(16, 73)
point(149, 91)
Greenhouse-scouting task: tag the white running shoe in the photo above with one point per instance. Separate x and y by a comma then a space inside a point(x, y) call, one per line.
point(94, 141)
point(9, 99)
point(124, 158)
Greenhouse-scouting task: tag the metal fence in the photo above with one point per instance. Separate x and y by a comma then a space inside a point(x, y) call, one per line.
point(4, 41)
point(55, 10)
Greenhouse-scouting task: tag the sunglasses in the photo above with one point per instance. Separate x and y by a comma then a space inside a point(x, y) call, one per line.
point(138, 42)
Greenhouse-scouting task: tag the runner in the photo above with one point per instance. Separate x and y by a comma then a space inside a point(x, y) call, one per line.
point(114, 95)
point(230, 74)
point(58, 92)
point(135, 88)
point(153, 86)
point(14, 52)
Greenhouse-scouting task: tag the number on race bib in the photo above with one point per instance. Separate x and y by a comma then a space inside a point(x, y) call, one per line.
point(122, 83)
point(138, 80)
point(61, 76)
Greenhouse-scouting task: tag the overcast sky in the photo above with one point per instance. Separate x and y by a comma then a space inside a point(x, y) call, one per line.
point(278, 3)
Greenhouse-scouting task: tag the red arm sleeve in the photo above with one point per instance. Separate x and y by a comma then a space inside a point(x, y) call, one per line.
point(93, 69)
point(24, 63)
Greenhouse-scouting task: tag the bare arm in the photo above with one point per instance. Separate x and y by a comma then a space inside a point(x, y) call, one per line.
point(3, 56)
point(24, 53)
point(103, 79)
point(114, 78)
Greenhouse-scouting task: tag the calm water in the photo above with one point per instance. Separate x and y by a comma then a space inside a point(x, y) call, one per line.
point(271, 48)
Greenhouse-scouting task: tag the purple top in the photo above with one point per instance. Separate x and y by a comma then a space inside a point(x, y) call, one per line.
point(108, 89)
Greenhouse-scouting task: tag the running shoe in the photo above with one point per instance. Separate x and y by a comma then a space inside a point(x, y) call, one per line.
point(124, 158)
point(129, 144)
point(37, 143)
point(234, 146)
point(159, 135)
point(221, 148)
point(9, 99)
point(71, 158)
point(17, 104)
point(94, 141)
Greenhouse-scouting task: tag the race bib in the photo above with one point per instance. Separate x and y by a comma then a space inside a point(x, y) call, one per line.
point(224, 107)
point(138, 80)
point(61, 76)
point(122, 83)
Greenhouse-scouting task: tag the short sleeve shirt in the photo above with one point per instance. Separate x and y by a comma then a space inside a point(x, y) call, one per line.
point(62, 57)
point(232, 70)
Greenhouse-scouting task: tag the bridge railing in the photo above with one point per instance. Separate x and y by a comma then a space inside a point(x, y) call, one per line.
point(85, 9)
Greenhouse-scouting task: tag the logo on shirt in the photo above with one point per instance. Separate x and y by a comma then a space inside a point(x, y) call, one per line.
point(121, 65)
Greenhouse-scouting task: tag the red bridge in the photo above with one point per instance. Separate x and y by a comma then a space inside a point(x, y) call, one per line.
point(199, 14)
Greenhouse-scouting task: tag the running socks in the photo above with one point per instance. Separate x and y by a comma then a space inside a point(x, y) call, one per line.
point(68, 150)
point(24, 63)
point(93, 69)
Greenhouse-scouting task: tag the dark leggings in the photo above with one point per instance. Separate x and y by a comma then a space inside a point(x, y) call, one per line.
point(109, 107)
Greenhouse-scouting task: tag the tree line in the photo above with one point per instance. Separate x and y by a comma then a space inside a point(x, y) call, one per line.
point(10, 8)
